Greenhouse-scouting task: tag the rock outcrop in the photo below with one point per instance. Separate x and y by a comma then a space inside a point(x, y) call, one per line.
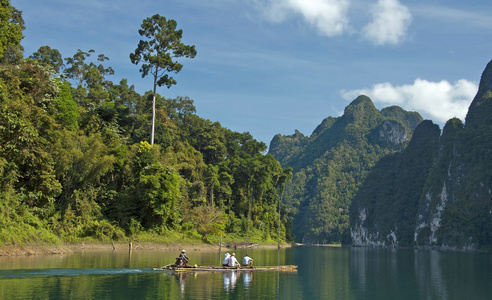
point(442, 196)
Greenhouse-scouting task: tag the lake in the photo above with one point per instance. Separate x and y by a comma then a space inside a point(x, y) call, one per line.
point(323, 273)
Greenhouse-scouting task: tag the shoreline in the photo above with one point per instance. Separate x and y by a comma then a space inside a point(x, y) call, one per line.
point(28, 250)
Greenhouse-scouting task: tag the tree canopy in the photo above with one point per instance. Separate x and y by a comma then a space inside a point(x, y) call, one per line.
point(161, 45)
point(75, 163)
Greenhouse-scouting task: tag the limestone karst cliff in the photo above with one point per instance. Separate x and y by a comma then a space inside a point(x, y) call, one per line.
point(442, 196)
point(330, 165)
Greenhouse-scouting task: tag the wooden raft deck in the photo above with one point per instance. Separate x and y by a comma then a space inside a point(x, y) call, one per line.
point(284, 268)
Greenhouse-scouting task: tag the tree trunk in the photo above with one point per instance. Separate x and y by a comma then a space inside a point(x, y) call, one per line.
point(212, 196)
point(250, 206)
point(153, 107)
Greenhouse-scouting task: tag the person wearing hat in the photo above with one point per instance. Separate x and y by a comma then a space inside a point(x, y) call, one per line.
point(225, 262)
point(233, 261)
point(182, 259)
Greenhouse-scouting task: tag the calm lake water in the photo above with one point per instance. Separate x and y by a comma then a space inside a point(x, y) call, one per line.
point(324, 273)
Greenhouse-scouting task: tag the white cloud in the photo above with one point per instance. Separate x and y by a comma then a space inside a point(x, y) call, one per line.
point(328, 16)
point(390, 21)
point(439, 100)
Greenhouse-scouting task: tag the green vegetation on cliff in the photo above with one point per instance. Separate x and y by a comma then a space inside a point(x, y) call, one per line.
point(389, 196)
point(330, 165)
point(437, 192)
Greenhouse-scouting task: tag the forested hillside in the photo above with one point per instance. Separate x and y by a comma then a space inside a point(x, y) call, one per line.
point(76, 163)
point(331, 164)
point(437, 193)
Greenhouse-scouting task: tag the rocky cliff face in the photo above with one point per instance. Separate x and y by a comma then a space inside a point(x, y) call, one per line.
point(440, 190)
point(450, 184)
point(383, 211)
point(330, 165)
point(391, 133)
point(455, 211)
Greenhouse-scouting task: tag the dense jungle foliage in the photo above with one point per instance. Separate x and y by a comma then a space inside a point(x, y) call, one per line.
point(330, 165)
point(76, 164)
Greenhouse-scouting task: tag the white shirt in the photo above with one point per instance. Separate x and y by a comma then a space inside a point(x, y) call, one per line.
point(233, 261)
point(226, 259)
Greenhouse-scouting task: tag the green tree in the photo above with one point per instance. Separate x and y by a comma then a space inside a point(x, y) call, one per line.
point(27, 131)
point(162, 44)
point(67, 114)
point(48, 56)
point(11, 27)
point(91, 84)
point(209, 220)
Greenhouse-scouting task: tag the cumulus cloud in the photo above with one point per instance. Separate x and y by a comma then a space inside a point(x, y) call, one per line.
point(390, 21)
point(328, 16)
point(439, 100)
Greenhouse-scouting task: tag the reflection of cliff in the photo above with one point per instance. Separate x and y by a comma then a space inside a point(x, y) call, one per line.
point(382, 274)
point(323, 273)
point(429, 275)
point(377, 273)
point(357, 264)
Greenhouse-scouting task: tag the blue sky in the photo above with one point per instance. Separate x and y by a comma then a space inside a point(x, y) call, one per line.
point(274, 66)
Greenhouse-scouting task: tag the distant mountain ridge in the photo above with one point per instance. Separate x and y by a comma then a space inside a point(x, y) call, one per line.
point(438, 194)
point(331, 164)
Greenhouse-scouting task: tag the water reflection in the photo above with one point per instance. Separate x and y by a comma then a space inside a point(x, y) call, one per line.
point(247, 278)
point(383, 273)
point(323, 273)
point(182, 278)
point(420, 274)
point(230, 280)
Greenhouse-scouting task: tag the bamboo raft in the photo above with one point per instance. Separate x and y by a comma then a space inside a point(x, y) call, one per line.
point(174, 268)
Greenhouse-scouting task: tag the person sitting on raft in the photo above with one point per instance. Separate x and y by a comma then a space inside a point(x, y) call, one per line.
point(182, 260)
point(225, 262)
point(233, 261)
point(247, 261)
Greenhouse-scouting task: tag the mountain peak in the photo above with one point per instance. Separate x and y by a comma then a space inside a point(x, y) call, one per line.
point(362, 99)
point(480, 110)
point(486, 81)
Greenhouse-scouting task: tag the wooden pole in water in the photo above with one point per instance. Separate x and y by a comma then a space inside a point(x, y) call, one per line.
point(278, 245)
point(279, 221)
point(220, 245)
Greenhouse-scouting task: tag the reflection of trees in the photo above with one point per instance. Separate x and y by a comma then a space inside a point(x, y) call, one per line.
point(123, 286)
point(323, 272)
point(148, 284)
point(155, 285)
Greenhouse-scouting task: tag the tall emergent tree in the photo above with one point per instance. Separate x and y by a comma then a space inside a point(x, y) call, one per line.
point(49, 57)
point(162, 44)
